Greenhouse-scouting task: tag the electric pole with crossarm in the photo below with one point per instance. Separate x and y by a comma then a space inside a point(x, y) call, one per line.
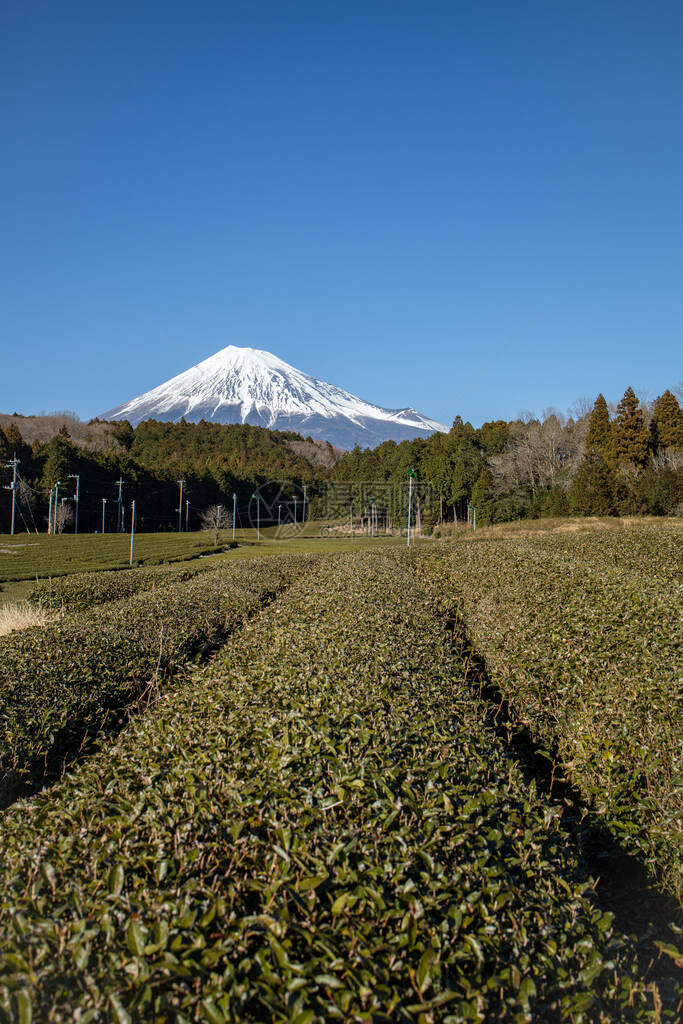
point(12, 464)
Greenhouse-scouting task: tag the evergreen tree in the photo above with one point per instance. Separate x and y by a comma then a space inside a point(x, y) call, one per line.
point(494, 436)
point(600, 435)
point(16, 442)
point(667, 422)
point(481, 496)
point(631, 436)
point(556, 502)
point(593, 488)
point(56, 454)
point(124, 434)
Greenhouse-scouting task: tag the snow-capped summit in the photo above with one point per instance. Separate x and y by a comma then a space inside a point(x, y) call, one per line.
point(248, 385)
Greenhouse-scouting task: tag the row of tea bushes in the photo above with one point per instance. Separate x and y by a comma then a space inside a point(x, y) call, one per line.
point(62, 684)
point(84, 590)
point(320, 827)
point(585, 650)
point(635, 549)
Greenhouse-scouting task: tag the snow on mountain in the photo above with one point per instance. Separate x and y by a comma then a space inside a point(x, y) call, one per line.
point(247, 385)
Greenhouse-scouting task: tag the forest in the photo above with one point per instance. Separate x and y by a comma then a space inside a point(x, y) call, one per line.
point(622, 460)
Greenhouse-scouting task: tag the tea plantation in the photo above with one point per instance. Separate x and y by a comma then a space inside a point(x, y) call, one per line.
point(586, 650)
point(328, 819)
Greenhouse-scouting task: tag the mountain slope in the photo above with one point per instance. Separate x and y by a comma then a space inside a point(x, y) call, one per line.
point(246, 385)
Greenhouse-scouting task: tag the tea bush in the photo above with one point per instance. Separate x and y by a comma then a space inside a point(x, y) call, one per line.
point(62, 684)
point(85, 590)
point(582, 636)
point(317, 826)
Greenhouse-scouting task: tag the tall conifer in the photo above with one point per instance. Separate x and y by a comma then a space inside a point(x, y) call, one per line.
point(600, 435)
point(593, 487)
point(667, 422)
point(631, 436)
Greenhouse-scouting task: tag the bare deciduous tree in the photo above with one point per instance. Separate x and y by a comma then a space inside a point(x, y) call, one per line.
point(216, 518)
point(25, 500)
point(536, 454)
point(64, 516)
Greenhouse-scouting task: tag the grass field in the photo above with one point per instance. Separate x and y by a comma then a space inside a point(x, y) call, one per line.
point(24, 558)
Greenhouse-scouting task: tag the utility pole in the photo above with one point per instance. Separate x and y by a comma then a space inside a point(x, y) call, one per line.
point(234, 513)
point(279, 514)
point(304, 515)
point(104, 509)
point(258, 515)
point(119, 509)
point(181, 484)
point(351, 515)
point(132, 531)
point(372, 517)
point(295, 509)
point(13, 486)
point(77, 478)
point(187, 516)
point(49, 515)
point(54, 530)
point(411, 474)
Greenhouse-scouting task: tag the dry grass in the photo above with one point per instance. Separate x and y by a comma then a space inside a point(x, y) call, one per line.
point(526, 527)
point(21, 616)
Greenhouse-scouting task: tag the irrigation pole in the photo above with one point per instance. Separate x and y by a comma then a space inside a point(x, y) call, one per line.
point(132, 532)
point(119, 508)
point(181, 484)
point(49, 515)
point(56, 504)
point(295, 509)
point(304, 513)
point(411, 474)
point(234, 513)
point(187, 515)
point(77, 478)
point(258, 515)
point(104, 509)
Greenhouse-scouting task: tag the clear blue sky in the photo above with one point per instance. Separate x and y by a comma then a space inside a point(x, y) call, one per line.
point(381, 193)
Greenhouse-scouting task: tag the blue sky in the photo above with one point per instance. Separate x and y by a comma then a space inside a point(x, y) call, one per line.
point(381, 193)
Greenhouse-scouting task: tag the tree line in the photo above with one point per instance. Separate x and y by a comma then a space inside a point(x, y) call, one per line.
point(214, 461)
point(625, 460)
point(597, 461)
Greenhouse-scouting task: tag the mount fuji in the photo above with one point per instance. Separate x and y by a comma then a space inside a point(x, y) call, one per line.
point(247, 385)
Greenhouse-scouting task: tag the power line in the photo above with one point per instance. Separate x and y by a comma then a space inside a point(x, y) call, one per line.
point(493, 359)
